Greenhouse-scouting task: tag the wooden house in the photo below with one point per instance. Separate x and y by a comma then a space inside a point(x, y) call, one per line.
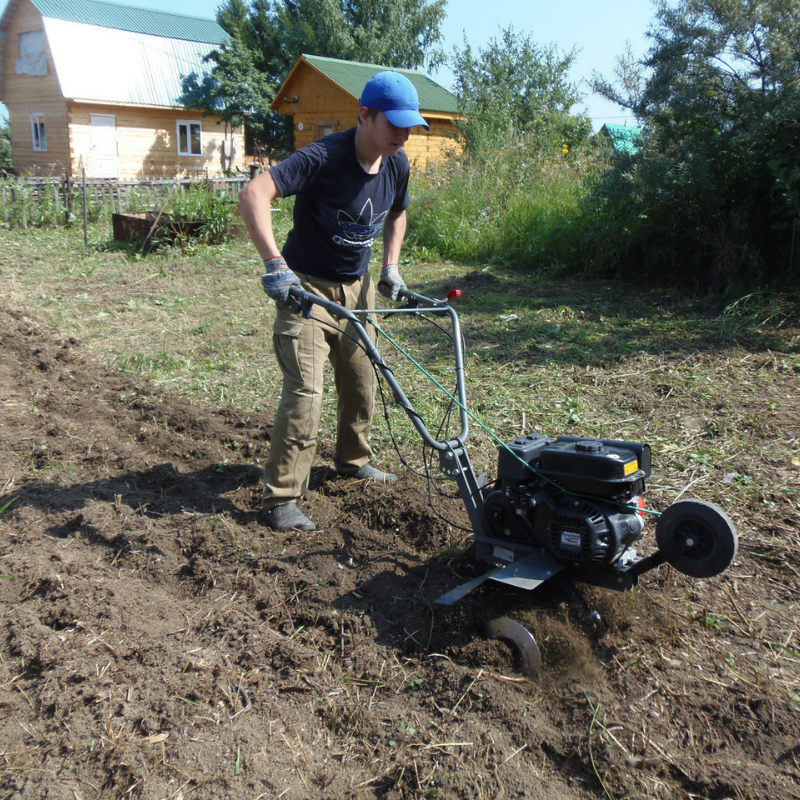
point(322, 94)
point(96, 86)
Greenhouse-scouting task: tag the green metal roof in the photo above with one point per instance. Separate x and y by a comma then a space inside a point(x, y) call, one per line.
point(624, 138)
point(353, 75)
point(136, 20)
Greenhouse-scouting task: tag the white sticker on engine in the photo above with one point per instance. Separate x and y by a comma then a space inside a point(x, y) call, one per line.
point(502, 554)
point(571, 539)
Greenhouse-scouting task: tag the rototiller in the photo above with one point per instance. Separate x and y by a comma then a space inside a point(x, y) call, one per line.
point(568, 504)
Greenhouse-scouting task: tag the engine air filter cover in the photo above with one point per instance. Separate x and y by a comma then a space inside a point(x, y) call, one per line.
point(514, 456)
point(599, 467)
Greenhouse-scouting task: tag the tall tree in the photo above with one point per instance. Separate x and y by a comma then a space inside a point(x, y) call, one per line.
point(513, 86)
point(268, 36)
point(716, 193)
point(628, 83)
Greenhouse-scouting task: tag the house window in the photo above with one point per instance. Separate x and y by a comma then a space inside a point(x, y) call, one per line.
point(324, 128)
point(32, 54)
point(189, 143)
point(38, 135)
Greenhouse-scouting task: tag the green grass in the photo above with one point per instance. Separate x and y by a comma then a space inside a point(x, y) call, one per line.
point(24, 206)
point(515, 207)
point(5, 506)
point(712, 389)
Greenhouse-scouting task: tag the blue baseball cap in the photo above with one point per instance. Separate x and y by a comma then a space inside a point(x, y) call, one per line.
point(395, 95)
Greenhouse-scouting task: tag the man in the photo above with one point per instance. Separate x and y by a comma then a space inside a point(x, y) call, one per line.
point(348, 187)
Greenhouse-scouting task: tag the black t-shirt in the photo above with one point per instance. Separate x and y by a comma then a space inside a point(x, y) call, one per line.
point(339, 209)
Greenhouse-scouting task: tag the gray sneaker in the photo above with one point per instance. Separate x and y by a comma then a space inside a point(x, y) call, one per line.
point(288, 517)
point(370, 473)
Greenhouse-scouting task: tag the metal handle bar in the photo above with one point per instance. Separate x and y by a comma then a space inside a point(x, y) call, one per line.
point(417, 303)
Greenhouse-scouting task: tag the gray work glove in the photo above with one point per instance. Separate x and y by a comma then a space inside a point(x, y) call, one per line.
point(390, 283)
point(278, 280)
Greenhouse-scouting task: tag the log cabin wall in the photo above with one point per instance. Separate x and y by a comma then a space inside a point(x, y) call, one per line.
point(319, 106)
point(147, 142)
point(26, 95)
point(437, 144)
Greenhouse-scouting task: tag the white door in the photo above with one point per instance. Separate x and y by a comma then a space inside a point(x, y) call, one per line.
point(103, 143)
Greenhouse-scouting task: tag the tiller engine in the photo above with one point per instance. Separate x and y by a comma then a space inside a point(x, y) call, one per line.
point(564, 504)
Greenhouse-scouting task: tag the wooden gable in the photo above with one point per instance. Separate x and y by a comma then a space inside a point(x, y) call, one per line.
point(322, 95)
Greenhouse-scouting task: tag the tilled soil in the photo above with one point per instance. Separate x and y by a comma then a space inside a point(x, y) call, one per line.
point(159, 641)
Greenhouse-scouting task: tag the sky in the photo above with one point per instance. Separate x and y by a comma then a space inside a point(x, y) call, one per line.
point(598, 30)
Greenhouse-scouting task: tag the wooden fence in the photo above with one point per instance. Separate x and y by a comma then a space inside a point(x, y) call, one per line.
point(31, 203)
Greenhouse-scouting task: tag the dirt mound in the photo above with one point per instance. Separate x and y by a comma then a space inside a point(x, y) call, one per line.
point(158, 641)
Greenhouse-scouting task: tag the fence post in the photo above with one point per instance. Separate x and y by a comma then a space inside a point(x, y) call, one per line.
point(56, 202)
point(67, 198)
point(85, 220)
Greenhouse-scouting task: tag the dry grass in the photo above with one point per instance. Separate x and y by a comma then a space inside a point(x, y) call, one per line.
point(713, 391)
point(707, 388)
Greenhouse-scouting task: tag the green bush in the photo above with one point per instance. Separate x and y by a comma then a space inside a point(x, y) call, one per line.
point(42, 205)
point(214, 207)
point(712, 201)
point(519, 206)
point(6, 159)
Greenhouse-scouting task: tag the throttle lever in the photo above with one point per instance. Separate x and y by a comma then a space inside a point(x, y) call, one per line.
point(413, 300)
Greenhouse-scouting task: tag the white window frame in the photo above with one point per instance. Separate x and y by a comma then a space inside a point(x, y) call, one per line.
point(329, 125)
point(187, 125)
point(38, 133)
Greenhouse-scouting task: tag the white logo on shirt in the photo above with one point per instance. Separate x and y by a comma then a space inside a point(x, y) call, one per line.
point(361, 231)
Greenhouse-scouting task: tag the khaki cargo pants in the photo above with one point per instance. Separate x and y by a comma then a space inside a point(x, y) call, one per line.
point(302, 347)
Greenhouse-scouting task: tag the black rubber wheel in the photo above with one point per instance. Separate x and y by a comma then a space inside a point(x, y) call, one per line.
point(697, 538)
